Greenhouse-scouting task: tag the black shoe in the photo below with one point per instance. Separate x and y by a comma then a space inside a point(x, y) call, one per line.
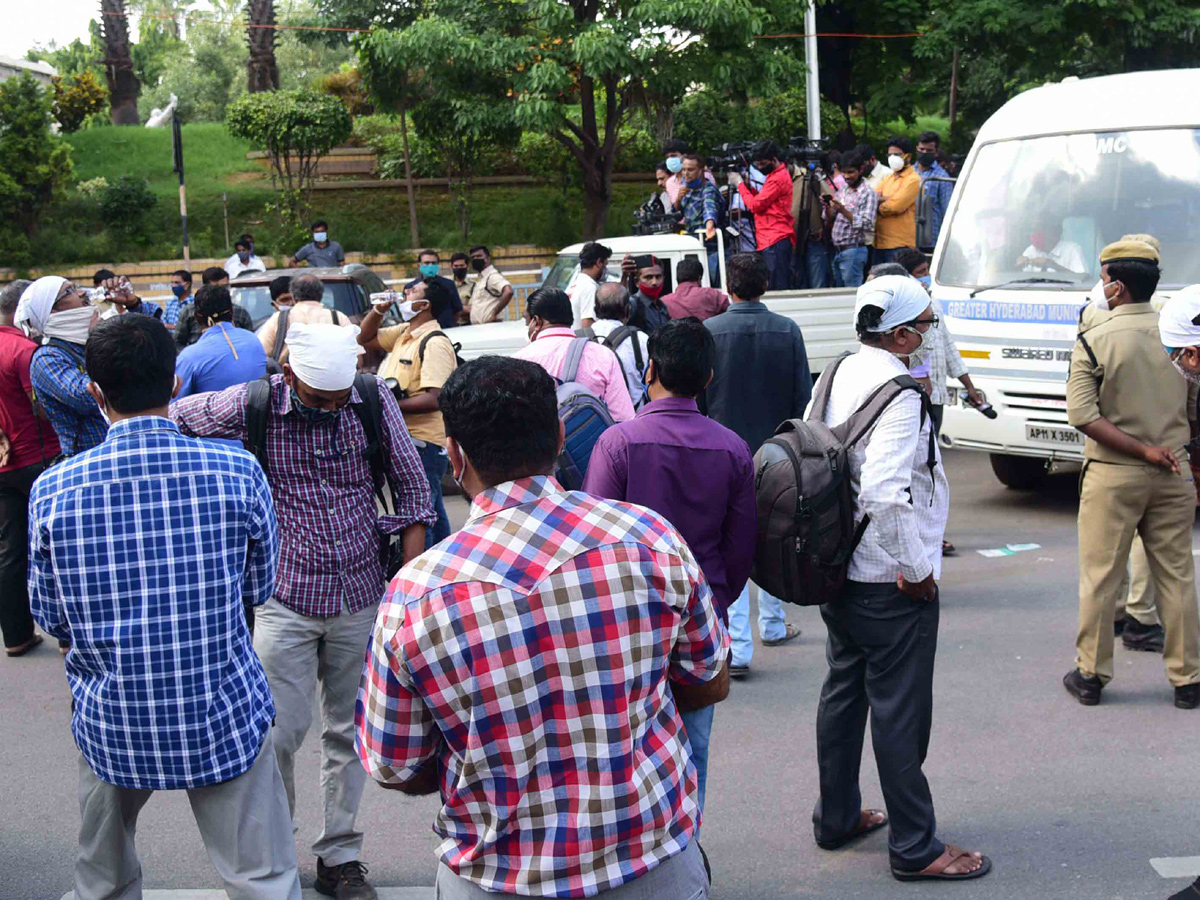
point(1187, 696)
point(1086, 688)
point(738, 671)
point(345, 882)
point(1142, 637)
point(1119, 625)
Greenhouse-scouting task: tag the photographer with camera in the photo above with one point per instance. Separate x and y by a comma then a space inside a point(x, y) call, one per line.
point(774, 230)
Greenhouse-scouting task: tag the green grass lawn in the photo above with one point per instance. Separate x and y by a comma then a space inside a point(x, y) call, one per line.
point(215, 163)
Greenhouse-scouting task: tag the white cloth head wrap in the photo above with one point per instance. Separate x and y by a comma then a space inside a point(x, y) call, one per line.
point(324, 357)
point(37, 300)
point(1175, 319)
point(901, 298)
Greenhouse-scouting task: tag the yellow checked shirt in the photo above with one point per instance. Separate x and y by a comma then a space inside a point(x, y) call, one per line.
point(403, 363)
point(1132, 383)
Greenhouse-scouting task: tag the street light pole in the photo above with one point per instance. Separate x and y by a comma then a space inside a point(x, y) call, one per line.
point(812, 84)
point(177, 150)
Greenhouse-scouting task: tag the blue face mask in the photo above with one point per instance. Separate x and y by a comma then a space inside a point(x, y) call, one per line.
point(674, 164)
point(925, 280)
point(429, 270)
point(316, 416)
point(179, 290)
point(695, 185)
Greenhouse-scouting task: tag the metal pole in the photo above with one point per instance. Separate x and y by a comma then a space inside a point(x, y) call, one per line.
point(177, 147)
point(811, 82)
point(953, 89)
point(225, 213)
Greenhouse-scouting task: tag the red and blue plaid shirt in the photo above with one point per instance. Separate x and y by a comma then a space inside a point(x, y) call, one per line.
point(320, 478)
point(528, 657)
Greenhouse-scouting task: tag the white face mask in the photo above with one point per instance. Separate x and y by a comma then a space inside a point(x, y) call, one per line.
point(921, 353)
point(1098, 296)
point(896, 162)
point(320, 236)
point(407, 313)
point(71, 325)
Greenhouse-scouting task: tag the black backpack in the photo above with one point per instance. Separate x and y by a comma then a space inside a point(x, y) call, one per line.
point(455, 346)
point(806, 528)
point(370, 414)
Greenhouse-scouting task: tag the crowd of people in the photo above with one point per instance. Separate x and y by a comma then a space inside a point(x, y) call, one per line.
point(552, 668)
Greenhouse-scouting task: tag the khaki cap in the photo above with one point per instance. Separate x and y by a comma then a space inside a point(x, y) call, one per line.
point(1123, 250)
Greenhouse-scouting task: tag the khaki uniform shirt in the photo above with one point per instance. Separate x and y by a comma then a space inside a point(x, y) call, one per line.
point(1132, 383)
point(404, 363)
point(307, 312)
point(485, 296)
point(464, 290)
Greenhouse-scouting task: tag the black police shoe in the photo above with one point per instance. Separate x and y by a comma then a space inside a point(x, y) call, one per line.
point(1085, 688)
point(1187, 696)
point(345, 882)
point(1142, 637)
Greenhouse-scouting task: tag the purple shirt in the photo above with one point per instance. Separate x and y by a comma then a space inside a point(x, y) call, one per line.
point(329, 526)
point(697, 474)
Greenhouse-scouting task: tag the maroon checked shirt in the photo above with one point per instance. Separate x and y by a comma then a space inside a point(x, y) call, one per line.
point(320, 480)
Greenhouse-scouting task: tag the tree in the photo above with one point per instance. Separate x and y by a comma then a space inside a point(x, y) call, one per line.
point(206, 73)
point(295, 128)
point(576, 70)
point(35, 166)
point(262, 73)
point(123, 85)
point(75, 98)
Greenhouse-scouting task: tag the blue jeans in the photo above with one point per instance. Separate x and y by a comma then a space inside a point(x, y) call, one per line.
point(699, 730)
point(771, 624)
point(885, 256)
point(848, 267)
point(714, 270)
point(435, 461)
point(817, 273)
point(778, 258)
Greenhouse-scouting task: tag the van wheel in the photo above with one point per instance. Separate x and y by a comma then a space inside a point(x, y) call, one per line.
point(1021, 473)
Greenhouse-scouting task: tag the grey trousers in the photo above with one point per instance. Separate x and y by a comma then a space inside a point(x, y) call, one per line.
point(297, 652)
point(681, 877)
point(243, 822)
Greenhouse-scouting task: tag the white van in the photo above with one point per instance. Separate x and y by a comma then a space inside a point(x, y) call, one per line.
point(1055, 175)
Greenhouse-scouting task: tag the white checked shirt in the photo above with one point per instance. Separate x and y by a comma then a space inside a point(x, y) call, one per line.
point(945, 361)
point(890, 476)
point(633, 374)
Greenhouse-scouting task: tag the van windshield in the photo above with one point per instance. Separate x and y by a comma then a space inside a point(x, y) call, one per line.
point(1045, 207)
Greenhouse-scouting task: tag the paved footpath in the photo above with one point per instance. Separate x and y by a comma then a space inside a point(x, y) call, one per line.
point(1071, 803)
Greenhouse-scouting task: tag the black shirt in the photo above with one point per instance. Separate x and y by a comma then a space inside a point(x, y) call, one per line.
point(648, 315)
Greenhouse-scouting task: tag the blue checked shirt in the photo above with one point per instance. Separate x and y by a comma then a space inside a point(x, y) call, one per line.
point(171, 312)
point(939, 195)
point(700, 205)
point(141, 552)
point(60, 384)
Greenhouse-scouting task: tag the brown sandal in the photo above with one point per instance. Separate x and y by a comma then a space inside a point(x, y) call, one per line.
point(865, 826)
point(24, 648)
point(936, 870)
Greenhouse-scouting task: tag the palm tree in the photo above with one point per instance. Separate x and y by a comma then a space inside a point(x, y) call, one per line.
point(123, 85)
point(262, 74)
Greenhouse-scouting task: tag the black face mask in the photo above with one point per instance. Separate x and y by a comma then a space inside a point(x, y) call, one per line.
point(479, 264)
point(927, 159)
point(459, 273)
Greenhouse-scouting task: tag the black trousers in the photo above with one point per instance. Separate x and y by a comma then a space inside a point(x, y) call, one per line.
point(880, 653)
point(778, 258)
point(16, 624)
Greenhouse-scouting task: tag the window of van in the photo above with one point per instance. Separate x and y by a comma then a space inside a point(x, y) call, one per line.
point(1045, 207)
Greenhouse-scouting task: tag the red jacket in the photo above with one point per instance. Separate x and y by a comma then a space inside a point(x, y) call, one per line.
point(772, 208)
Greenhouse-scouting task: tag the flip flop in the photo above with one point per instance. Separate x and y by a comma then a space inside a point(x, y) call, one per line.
point(936, 870)
point(865, 826)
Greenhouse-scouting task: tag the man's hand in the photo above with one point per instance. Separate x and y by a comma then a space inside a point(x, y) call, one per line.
point(683, 192)
point(628, 267)
point(119, 291)
point(710, 230)
point(1161, 456)
point(383, 304)
point(926, 589)
point(734, 179)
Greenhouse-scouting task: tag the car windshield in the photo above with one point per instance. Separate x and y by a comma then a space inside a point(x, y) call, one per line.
point(1045, 207)
point(560, 273)
point(344, 296)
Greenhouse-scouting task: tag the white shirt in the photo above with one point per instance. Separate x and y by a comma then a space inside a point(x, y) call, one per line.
point(633, 375)
point(904, 535)
point(1067, 254)
point(583, 298)
point(235, 267)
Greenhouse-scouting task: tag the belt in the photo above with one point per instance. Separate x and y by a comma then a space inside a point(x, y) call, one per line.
point(841, 247)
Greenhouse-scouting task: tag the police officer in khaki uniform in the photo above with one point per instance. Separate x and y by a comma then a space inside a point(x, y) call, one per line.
point(1124, 394)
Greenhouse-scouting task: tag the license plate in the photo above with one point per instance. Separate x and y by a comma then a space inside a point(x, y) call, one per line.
point(952, 396)
point(1048, 434)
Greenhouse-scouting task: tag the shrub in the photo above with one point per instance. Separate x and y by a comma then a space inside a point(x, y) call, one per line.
point(92, 186)
point(35, 166)
point(125, 203)
point(347, 86)
point(77, 97)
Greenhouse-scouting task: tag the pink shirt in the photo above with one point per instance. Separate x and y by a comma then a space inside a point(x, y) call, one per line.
point(691, 299)
point(599, 370)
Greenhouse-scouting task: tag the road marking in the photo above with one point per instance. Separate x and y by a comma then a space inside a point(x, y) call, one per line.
point(385, 893)
point(1177, 866)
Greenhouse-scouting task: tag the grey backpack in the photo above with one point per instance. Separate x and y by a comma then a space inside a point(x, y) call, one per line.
point(806, 527)
point(584, 417)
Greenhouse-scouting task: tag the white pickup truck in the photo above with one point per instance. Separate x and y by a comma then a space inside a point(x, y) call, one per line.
point(825, 317)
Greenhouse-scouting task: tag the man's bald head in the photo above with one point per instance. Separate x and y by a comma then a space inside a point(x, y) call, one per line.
point(612, 301)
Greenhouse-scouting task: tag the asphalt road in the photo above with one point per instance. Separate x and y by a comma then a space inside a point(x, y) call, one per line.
point(1069, 802)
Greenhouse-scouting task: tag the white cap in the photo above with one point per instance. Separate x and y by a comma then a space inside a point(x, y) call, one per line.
point(1177, 319)
point(324, 357)
point(901, 298)
point(37, 302)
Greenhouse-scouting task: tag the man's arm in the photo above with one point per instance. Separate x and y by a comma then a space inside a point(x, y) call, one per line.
point(903, 200)
point(263, 557)
point(616, 388)
point(53, 376)
point(219, 414)
point(761, 200)
point(739, 531)
point(699, 668)
point(608, 469)
point(395, 735)
point(45, 602)
point(410, 486)
point(866, 212)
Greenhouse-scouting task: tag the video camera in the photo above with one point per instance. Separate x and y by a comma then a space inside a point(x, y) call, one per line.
point(653, 218)
point(806, 154)
point(731, 157)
